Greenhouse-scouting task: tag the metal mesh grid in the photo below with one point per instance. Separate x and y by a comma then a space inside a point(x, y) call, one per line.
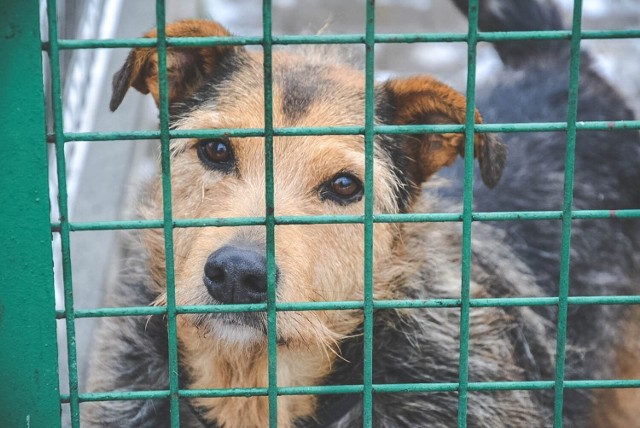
point(64, 227)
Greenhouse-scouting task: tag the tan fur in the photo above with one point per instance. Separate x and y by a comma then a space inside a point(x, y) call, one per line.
point(215, 365)
point(620, 408)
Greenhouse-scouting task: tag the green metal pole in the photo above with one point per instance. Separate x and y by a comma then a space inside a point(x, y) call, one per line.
point(29, 393)
point(467, 215)
point(63, 208)
point(567, 208)
point(272, 340)
point(369, 120)
point(167, 209)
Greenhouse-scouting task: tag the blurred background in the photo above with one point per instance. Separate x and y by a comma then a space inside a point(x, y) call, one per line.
point(102, 177)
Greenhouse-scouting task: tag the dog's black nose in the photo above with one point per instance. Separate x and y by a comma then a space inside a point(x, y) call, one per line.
point(236, 275)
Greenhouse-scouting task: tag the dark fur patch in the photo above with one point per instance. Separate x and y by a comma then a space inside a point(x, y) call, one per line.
point(300, 87)
point(121, 83)
point(393, 146)
point(607, 173)
point(526, 16)
point(230, 63)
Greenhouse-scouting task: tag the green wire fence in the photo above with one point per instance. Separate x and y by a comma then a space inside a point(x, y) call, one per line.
point(29, 378)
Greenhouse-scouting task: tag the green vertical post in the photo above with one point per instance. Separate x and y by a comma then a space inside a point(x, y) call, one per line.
point(65, 231)
point(467, 214)
point(167, 210)
point(567, 207)
point(369, 122)
point(29, 394)
point(272, 341)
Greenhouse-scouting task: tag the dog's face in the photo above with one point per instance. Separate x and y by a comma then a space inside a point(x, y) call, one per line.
point(222, 87)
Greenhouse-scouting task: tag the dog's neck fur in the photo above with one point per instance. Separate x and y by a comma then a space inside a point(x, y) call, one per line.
point(216, 364)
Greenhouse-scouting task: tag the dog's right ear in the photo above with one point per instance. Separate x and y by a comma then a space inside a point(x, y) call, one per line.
point(187, 68)
point(424, 100)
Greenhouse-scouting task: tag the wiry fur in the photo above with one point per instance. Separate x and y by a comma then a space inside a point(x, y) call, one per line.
point(411, 261)
point(605, 254)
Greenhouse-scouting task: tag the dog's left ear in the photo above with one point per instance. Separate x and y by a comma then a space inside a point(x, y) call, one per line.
point(424, 100)
point(188, 68)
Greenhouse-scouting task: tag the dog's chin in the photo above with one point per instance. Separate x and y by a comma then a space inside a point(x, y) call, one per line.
point(238, 334)
point(236, 329)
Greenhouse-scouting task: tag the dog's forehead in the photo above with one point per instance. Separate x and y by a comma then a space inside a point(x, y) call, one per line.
point(306, 91)
point(300, 83)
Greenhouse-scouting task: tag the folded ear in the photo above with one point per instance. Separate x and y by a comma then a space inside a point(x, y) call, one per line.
point(187, 68)
point(425, 100)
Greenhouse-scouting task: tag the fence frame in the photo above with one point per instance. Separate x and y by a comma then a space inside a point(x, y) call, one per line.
point(29, 393)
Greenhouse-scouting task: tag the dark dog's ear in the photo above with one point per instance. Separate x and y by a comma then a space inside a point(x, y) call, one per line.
point(187, 68)
point(424, 100)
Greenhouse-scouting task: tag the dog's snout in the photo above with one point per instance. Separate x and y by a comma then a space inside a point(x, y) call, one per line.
point(236, 275)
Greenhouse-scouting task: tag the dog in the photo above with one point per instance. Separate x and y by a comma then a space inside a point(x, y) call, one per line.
point(222, 87)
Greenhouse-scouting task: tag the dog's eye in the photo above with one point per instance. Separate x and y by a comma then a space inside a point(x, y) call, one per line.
point(344, 188)
point(216, 154)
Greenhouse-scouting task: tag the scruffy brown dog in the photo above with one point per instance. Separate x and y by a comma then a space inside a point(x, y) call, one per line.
point(222, 87)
